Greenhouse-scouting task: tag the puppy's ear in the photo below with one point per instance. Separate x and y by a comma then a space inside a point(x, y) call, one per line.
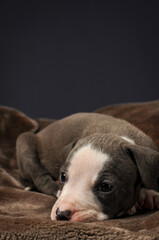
point(147, 162)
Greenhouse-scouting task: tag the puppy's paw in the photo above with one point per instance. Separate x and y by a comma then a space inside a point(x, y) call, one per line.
point(28, 188)
point(148, 199)
point(133, 209)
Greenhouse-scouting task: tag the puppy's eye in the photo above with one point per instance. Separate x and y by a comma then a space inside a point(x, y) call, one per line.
point(105, 187)
point(63, 177)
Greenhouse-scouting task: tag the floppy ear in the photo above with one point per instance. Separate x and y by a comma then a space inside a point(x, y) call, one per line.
point(147, 162)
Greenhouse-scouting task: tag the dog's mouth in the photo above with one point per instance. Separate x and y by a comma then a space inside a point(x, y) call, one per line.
point(88, 216)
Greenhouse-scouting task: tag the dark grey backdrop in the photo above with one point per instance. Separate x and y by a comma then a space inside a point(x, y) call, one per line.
point(60, 57)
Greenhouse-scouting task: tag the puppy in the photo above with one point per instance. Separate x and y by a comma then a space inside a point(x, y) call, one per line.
point(107, 167)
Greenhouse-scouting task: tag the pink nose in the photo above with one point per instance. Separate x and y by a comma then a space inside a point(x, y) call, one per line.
point(63, 215)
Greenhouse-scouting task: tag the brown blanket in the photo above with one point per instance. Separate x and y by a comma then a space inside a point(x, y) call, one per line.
point(26, 215)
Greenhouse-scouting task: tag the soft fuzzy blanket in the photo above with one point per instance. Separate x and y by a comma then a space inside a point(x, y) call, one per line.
point(26, 215)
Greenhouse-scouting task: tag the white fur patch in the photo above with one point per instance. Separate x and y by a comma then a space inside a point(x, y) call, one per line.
point(85, 165)
point(58, 193)
point(77, 195)
point(128, 139)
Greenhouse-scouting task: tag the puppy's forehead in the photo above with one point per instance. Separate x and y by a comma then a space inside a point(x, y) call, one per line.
point(87, 162)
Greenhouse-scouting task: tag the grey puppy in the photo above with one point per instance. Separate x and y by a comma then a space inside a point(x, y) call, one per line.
point(107, 167)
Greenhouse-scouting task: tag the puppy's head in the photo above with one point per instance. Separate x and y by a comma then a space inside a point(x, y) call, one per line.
point(99, 179)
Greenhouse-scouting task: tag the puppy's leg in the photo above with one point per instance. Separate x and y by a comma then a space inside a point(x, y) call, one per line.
point(32, 173)
point(148, 199)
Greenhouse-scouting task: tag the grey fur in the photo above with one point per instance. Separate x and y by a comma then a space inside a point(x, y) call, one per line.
point(40, 156)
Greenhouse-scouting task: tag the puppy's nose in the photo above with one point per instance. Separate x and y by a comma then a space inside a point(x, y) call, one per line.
point(63, 215)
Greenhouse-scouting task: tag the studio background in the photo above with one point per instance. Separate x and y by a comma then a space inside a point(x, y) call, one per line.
point(61, 57)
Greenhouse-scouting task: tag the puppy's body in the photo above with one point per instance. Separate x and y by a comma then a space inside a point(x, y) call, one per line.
point(122, 153)
point(55, 139)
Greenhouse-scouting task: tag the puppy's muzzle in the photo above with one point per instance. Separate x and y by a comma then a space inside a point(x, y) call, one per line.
point(76, 211)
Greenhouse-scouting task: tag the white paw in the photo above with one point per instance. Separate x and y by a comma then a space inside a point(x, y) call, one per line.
point(28, 189)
